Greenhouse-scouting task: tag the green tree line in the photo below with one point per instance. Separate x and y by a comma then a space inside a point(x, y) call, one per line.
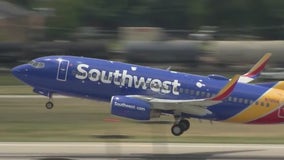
point(259, 17)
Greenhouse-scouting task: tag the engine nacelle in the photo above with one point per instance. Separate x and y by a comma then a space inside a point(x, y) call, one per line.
point(132, 108)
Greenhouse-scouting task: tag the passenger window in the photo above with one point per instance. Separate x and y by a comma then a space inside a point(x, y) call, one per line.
point(79, 73)
point(230, 98)
point(197, 93)
point(127, 80)
point(148, 85)
point(94, 75)
point(176, 89)
point(208, 95)
point(74, 72)
point(186, 91)
point(116, 79)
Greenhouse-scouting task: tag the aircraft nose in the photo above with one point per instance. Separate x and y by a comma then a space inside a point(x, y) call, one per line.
point(19, 71)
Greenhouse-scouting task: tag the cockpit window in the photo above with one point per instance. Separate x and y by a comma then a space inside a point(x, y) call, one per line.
point(36, 64)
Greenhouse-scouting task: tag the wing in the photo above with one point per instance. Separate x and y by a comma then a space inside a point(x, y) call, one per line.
point(193, 106)
point(254, 72)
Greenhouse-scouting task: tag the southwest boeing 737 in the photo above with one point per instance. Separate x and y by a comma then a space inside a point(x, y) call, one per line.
point(142, 93)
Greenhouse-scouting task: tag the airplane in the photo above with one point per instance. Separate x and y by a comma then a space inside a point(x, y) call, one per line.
point(142, 93)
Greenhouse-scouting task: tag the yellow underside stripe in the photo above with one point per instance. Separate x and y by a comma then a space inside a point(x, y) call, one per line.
point(256, 111)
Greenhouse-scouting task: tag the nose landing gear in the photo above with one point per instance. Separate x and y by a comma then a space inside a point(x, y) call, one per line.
point(49, 104)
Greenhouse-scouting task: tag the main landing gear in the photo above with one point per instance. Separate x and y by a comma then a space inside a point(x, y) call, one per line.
point(49, 104)
point(181, 125)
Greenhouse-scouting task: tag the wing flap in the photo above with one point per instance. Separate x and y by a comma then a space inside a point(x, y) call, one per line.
point(192, 106)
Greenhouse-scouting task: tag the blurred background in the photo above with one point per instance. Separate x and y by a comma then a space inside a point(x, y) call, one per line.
point(194, 36)
point(189, 35)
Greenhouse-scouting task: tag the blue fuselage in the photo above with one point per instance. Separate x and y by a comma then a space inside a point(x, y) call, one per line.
point(101, 79)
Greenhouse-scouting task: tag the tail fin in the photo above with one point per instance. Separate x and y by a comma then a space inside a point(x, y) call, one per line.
point(254, 72)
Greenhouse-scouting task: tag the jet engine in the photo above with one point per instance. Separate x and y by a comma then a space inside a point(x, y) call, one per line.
point(133, 108)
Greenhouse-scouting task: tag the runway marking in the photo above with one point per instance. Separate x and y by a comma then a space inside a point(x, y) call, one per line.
point(94, 150)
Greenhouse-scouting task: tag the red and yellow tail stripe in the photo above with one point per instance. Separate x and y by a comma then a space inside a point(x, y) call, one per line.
point(256, 110)
point(258, 67)
point(227, 90)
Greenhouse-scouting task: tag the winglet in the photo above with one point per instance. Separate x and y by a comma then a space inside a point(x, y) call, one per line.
point(227, 90)
point(254, 72)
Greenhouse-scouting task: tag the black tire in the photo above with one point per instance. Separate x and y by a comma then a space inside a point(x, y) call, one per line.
point(184, 124)
point(49, 105)
point(176, 130)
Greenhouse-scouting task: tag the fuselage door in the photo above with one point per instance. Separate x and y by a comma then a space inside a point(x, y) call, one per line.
point(62, 70)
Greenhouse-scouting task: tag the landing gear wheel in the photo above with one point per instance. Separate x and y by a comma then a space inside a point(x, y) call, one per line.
point(49, 105)
point(184, 124)
point(176, 130)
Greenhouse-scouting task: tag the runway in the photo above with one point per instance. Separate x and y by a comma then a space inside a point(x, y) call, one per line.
point(30, 96)
point(137, 151)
